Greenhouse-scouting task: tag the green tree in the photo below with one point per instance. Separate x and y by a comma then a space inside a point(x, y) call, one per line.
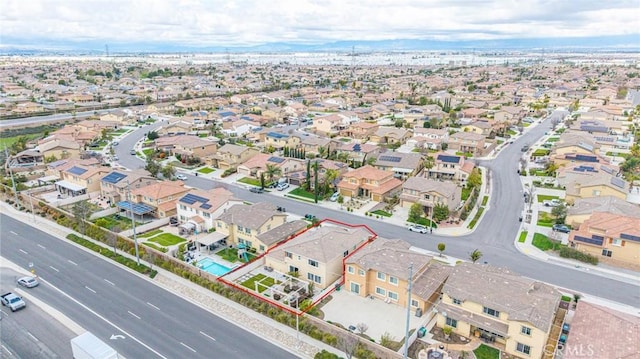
point(475, 255)
point(262, 180)
point(152, 166)
point(327, 181)
point(559, 213)
point(152, 135)
point(315, 186)
point(168, 171)
point(272, 171)
point(475, 178)
point(440, 212)
point(441, 248)
point(81, 211)
point(415, 213)
point(307, 183)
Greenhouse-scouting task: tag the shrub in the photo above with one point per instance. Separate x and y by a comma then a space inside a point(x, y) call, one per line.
point(567, 252)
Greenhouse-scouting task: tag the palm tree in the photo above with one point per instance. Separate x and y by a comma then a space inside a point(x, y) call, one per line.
point(329, 177)
point(272, 171)
point(428, 162)
point(322, 152)
point(475, 255)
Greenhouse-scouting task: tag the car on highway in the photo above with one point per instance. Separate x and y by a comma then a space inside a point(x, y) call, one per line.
point(12, 301)
point(561, 228)
point(181, 177)
point(28, 282)
point(282, 186)
point(256, 190)
point(418, 228)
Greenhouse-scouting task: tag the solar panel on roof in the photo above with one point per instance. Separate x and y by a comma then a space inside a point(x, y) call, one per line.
point(357, 147)
point(114, 177)
point(588, 240)
point(390, 159)
point(449, 159)
point(137, 208)
point(586, 158)
point(76, 170)
point(206, 206)
point(190, 198)
point(606, 169)
point(275, 159)
point(629, 237)
point(618, 182)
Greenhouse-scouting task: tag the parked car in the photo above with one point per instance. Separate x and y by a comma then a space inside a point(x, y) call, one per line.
point(115, 143)
point(561, 228)
point(525, 148)
point(552, 202)
point(282, 186)
point(132, 152)
point(310, 217)
point(334, 197)
point(181, 177)
point(418, 228)
point(28, 282)
point(256, 190)
point(173, 221)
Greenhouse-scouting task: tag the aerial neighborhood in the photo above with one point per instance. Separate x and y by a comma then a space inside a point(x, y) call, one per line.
point(350, 196)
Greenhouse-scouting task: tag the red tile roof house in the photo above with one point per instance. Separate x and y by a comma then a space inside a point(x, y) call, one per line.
point(370, 183)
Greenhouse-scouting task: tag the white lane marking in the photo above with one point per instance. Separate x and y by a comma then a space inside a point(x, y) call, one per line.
point(32, 336)
point(41, 246)
point(72, 262)
point(23, 251)
point(133, 314)
point(110, 282)
point(90, 290)
point(7, 350)
point(208, 336)
point(188, 347)
point(153, 306)
point(14, 233)
point(54, 268)
point(104, 319)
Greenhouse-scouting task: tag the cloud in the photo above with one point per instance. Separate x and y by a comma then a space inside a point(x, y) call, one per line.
point(253, 22)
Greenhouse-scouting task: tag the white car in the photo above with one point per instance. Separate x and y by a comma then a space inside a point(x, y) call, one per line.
point(334, 196)
point(181, 177)
point(282, 186)
point(418, 228)
point(28, 282)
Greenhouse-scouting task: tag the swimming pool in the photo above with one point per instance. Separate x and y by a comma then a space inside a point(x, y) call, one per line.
point(212, 267)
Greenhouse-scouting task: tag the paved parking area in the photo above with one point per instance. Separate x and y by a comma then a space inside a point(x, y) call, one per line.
point(349, 309)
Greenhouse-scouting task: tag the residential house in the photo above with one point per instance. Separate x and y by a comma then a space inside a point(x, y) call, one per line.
point(429, 138)
point(27, 159)
point(115, 186)
point(77, 179)
point(369, 182)
point(231, 156)
point(298, 178)
point(317, 255)
point(312, 144)
point(430, 193)
point(257, 164)
point(202, 208)
point(511, 114)
point(450, 168)
point(467, 142)
point(390, 135)
point(176, 128)
point(514, 312)
point(609, 235)
point(379, 270)
point(483, 128)
point(403, 165)
point(278, 140)
point(332, 124)
point(585, 181)
point(186, 146)
point(238, 128)
point(243, 223)
point(158, 199)
point(602, 332)
point(582, 209)
point(57, 148)
point(360, 130)
point(357, 153)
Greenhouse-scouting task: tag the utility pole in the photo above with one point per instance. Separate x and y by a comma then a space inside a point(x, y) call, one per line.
point(13, 181)
point(133, 223)
point(406, 328)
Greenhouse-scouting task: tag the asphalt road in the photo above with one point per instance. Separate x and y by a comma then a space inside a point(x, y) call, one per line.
point(30, 332)
point(108, 300)
point(493, 236)
point(40, 120)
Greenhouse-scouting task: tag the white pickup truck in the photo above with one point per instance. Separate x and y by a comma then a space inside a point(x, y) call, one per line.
point(12, 301)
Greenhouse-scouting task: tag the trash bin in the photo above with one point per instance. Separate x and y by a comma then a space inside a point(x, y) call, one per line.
point(419, 312)
point(422, 332)
point(337, 287)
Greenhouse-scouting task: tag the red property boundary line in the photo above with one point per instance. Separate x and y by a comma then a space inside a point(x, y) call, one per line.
point(287, 308)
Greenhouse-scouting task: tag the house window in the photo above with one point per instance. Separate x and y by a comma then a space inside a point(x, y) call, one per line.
point(293, 269)
point(313, 277)
point(426, 196)
point(346, 253)
point(606, 253)
point(525, 330)
point(414, 303)
point(381, 291)
point(393, 280)
point(206, 214)
point(183, 207)
point(240, 228)
point(361, 272)
point(313, 263)
point(288, 254)
point(350, 269)
point(523, 348)
point(382, 276)
point(617, 242)
point(452, 322)
point(456, 301)
point(491, 312)
point(248, 244)
point(247, 230)
point(218, 224)
point(393, 295)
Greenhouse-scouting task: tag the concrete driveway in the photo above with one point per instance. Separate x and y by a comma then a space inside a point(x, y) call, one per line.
point(350, 309)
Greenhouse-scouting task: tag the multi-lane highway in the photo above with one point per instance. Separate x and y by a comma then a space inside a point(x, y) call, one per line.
point(494, 235)
point(145, 320)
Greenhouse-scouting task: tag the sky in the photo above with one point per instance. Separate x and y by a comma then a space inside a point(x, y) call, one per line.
point(234, 23)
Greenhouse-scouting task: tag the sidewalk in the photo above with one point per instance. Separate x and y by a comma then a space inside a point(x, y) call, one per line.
point(258, 324)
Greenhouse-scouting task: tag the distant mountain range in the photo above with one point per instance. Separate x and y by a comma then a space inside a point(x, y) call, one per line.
point(630, 43)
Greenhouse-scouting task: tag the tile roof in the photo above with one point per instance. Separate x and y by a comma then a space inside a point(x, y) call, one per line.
point(608, 204)
point(523, 299)
point(251, 216)
point(608, 333)
point(282, 232)
point(399, 160)
point(421, 184)
point(161, 190)
point(368, 172)
point(612, 225)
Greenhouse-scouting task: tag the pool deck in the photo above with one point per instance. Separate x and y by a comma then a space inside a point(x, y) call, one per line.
point(201, 255)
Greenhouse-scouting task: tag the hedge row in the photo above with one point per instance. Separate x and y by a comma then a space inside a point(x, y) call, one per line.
point(568, 252)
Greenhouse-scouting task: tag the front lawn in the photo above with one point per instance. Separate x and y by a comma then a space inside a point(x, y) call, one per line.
point(381, 213)
point(251, 181)
point(486, 352)
point(484, 200)
point(115, 220)
point(148, 151)
point(206, 170)
point(150, 233)
point(466, 192)
point(155, 246)
point(523, 236)
point(544, 197)
point(476, 218)
point(545, 219)
point(167, 239)
point(543, 243)
point(263, 279)
point(540, 152)
point(301, 192)
point(553, 139)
